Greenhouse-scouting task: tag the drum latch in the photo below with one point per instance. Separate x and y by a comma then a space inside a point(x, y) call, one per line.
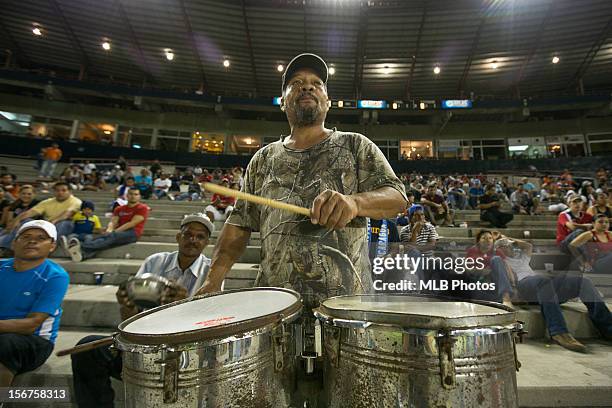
point(332, 345)
point(169, 374)
point(518, 338)
point(447, 361)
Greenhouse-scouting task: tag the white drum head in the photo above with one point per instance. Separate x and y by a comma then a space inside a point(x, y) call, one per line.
point(202, 314)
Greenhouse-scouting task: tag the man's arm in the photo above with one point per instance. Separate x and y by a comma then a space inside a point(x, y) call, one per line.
point(24, 215)
point(579, 241)
point(230, 246)
point(66, 215)
point(137, 219)
point(335, 210)
point(27, 325)
point(111, 225)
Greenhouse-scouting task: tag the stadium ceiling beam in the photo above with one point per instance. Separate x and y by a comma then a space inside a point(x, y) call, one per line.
point(250, 44)
point(143, 61)
point(416, 50)
point(590, 56)
point(359, 55)
point(193, 44)
point(538, 41)
point(85, 64)
point(15, 49)
point(475, 41)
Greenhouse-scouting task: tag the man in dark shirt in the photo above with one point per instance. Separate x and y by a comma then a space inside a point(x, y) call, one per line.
point(436, 208)
point(489, 209)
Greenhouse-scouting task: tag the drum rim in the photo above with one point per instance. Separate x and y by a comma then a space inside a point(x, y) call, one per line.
point(217, 332)
point(363, 318)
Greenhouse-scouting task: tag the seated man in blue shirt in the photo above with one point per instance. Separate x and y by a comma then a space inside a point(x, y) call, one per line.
point(187, 268)
point(31, 295)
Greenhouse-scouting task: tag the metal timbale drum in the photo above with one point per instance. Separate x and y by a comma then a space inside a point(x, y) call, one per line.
point(418, 351)
point(232, 349)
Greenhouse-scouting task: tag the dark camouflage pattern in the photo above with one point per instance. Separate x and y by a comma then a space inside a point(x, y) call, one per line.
point(295, 253)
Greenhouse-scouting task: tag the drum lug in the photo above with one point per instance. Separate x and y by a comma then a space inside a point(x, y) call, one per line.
point(333, 345)
point(279, 341)
point(169, 374)
point(517, 337)
point(447, 360)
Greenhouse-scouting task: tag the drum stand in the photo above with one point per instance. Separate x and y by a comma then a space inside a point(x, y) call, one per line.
point(308, 390)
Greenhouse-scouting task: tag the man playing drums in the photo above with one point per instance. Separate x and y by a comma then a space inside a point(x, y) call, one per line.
point(342, 177)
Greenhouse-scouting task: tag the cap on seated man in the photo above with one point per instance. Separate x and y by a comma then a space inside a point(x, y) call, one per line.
point(186, 268)
point(32, 291)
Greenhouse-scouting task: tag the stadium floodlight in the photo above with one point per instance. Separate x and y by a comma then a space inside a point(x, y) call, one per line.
point(494, 65)
point(332, 70)
point(226, 63)
point(436, 70)
point(555, 60)
point(169, 54)
point(280, 68)
point(519, 148)
point(106, 45)
point(386, 70)
point(37, 31)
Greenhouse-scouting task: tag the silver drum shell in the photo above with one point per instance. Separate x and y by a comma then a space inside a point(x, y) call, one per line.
point(255, 369)
point(387, 366)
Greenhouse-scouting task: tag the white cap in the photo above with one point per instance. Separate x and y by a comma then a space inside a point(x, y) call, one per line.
point(201, 218)
point(40, 224)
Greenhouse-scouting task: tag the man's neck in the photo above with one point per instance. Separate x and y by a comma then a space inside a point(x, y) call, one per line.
point(185, 262)
point(305, 137)
point(133, 204)
point(21, 265)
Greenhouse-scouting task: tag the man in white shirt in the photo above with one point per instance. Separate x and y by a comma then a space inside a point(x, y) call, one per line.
point(161, 186)
point(187, 268)
point(88, 168)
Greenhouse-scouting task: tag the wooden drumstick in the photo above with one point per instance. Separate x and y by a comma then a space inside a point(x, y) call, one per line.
point(86, 347)
point(256, 199)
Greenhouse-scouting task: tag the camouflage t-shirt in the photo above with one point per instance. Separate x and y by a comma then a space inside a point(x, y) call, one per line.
point(295, 253)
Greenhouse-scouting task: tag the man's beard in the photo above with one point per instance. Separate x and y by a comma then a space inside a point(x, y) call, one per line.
point(306, 115)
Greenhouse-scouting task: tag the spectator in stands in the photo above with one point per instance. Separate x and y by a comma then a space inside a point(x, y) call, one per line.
point(381, 233)
point(489, 209)
point(597, 243)
point(571, 223)
point(187, 177)
point(587, 192)
point(93, 182)
point(602, 177)
point(74, 176)
point(403, 219)
point(144, 183)
point(121, 192)
point(27, 199)
point(122, 163)
point(436, 208)
point(551, 291)
point(4, 204)
point(57, 210)
point(221, 206)
point(237, 176)
point(88, 167)
point(125, 227)
point(8, 184)
point(162, 187)
point(457, 197)
point(155, 169)
point(476, 191)
point(197, 170)
point(51, 156)
point(187, 268)
point(217, 176)
point(32, 291)
point(521, 201)
point(419, 234)
point(85, 224)
point(601, 207)
point(528, 185)
point(494, 269)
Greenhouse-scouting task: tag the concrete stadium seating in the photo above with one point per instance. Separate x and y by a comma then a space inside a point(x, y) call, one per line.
point(90, 308)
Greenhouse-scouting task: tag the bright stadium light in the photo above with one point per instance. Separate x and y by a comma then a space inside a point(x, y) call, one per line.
point(386, 70)
point(436, 70)
point(226, 63)
point(106, 45)
point(169, 55)
point(280, 68)
point(37, 31)
point(494, 65)
point(332, 70)
point(555, 60)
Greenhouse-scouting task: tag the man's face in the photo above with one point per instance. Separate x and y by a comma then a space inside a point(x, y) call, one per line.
point(602, 199)
point(417, 216)
point(431, 190)
point(7, 179)
point(134, 196)
point(486, 241)
point(305, 98)
point(62, 193)
point(129, 182)
point(576, 205)
point(26, 195)
point(88, 212)
point(192, 239)
point(33, 244)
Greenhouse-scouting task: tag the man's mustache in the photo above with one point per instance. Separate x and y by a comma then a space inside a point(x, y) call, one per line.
point(308, 94)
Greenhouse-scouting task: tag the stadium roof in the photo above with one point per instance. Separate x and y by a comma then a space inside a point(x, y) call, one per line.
point(379, 49)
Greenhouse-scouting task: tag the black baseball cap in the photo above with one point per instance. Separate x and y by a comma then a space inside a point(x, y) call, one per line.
point(306, 60)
